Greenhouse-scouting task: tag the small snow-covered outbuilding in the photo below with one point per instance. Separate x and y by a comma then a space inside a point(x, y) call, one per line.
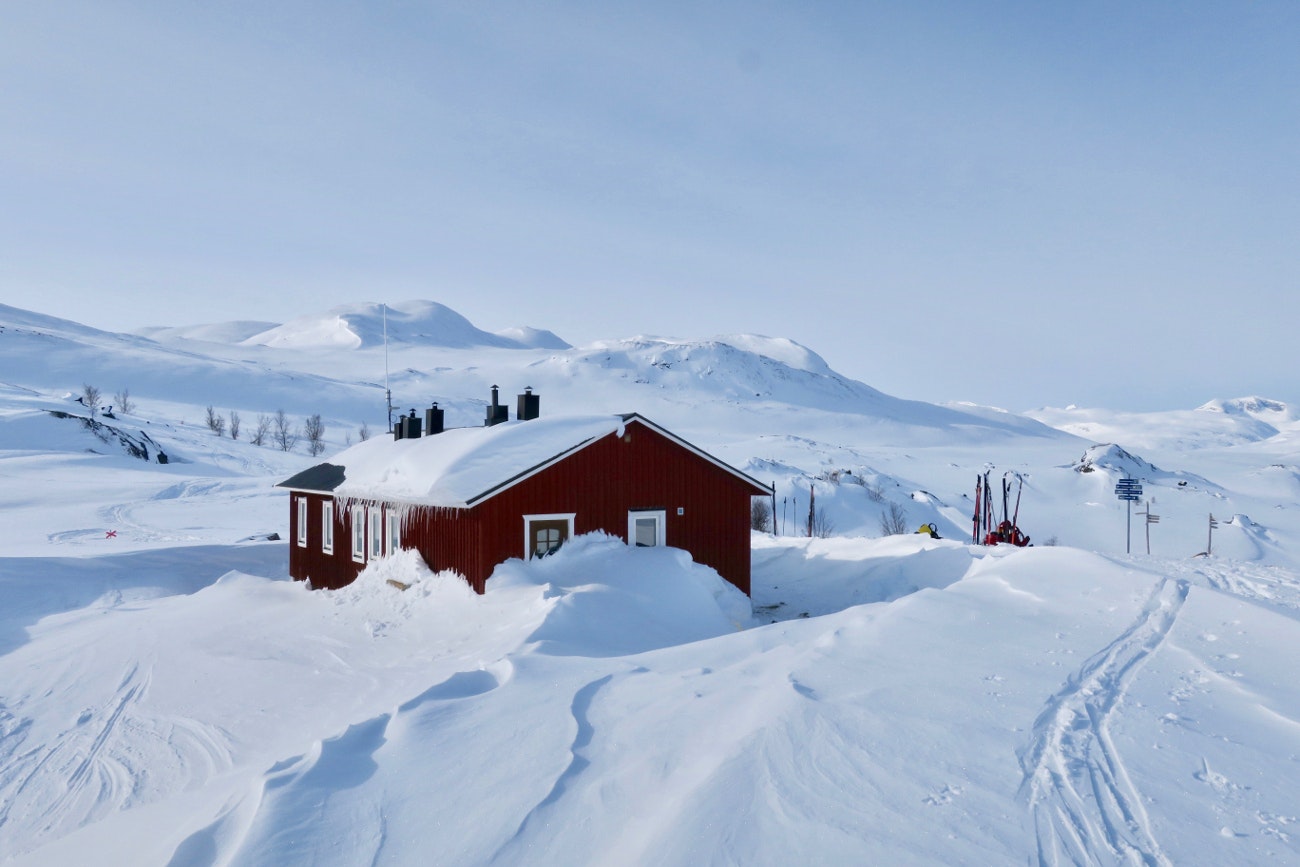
point(470, 498)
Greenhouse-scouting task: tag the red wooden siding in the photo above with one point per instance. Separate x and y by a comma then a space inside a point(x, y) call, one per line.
point(642, 470)
point(312, 563)
point(448, 539)
point(706, 507)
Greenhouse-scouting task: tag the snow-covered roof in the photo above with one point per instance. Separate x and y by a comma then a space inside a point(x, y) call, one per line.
point(462, 466)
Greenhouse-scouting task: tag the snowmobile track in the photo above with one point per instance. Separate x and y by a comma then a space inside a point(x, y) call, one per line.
point(1084, 806)
point(55, 781)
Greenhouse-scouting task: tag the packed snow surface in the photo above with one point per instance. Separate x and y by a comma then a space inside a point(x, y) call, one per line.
point(169, 697)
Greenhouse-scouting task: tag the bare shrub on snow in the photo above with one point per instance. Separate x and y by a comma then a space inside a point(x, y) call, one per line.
point(314, 430)
point(893, 520)
point(263, 428)
point(90, 397)
point(284, 436)
point(215, 422)
point(822, 527)
point(124, 403)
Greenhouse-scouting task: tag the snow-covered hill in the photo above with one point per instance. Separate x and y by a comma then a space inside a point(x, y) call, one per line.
point(421, 323)
point(1216, 423)
point(53, 357)
point(219, 332)
point(167, 696)
point(1272, 412)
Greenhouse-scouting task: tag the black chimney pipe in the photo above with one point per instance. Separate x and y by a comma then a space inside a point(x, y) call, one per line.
point(433, 420)
point(528, 406)
point(411, 427)
point(496, 413)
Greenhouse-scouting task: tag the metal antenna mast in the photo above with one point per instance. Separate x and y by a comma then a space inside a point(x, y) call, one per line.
point(388, 394)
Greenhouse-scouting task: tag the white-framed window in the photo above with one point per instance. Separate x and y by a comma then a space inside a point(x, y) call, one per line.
point(646, 528)
point(544, 534)
point(359, 534)
point(376, 532)
point(302, 522)
point(394, 539)
point(327, 526)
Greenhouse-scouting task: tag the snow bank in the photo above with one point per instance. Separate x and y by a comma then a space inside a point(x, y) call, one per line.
point(801, 577)
point(600, 706)
point(612, 600)
point(401, 587)
point(1026, 710)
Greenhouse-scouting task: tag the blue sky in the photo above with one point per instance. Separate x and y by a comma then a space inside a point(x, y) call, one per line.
point(1018, 204)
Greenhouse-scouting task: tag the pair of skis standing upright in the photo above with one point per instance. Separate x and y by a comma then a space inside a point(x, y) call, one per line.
point(1006, 531)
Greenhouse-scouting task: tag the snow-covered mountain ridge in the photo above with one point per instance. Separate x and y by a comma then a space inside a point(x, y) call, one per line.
point(1260, 408)
point(434, 354)
point(769, 405)
point(1215, 424)
point(426, 323)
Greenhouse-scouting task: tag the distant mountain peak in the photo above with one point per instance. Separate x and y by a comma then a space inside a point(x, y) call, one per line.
point(1256, 407)
point(533, 338)
point(1109, 456)
point(780, 350)
point(417, 322)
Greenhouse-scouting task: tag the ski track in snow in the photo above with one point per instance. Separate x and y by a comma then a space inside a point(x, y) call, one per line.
point(122, 516)
point(1272, 588)
point(1085, 807)
point(99, 765)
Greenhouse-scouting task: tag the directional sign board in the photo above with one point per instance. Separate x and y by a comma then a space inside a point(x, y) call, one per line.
point(1129, 489)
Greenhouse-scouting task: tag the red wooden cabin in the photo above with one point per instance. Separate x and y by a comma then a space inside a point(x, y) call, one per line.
point(470, 498)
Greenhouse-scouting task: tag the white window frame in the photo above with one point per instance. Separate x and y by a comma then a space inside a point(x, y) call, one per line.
point(359, 534)
point(327, 526)
point(661, 525)
point(376, 532)
point(302, 522)
point(556, 516)
point(393, 539)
